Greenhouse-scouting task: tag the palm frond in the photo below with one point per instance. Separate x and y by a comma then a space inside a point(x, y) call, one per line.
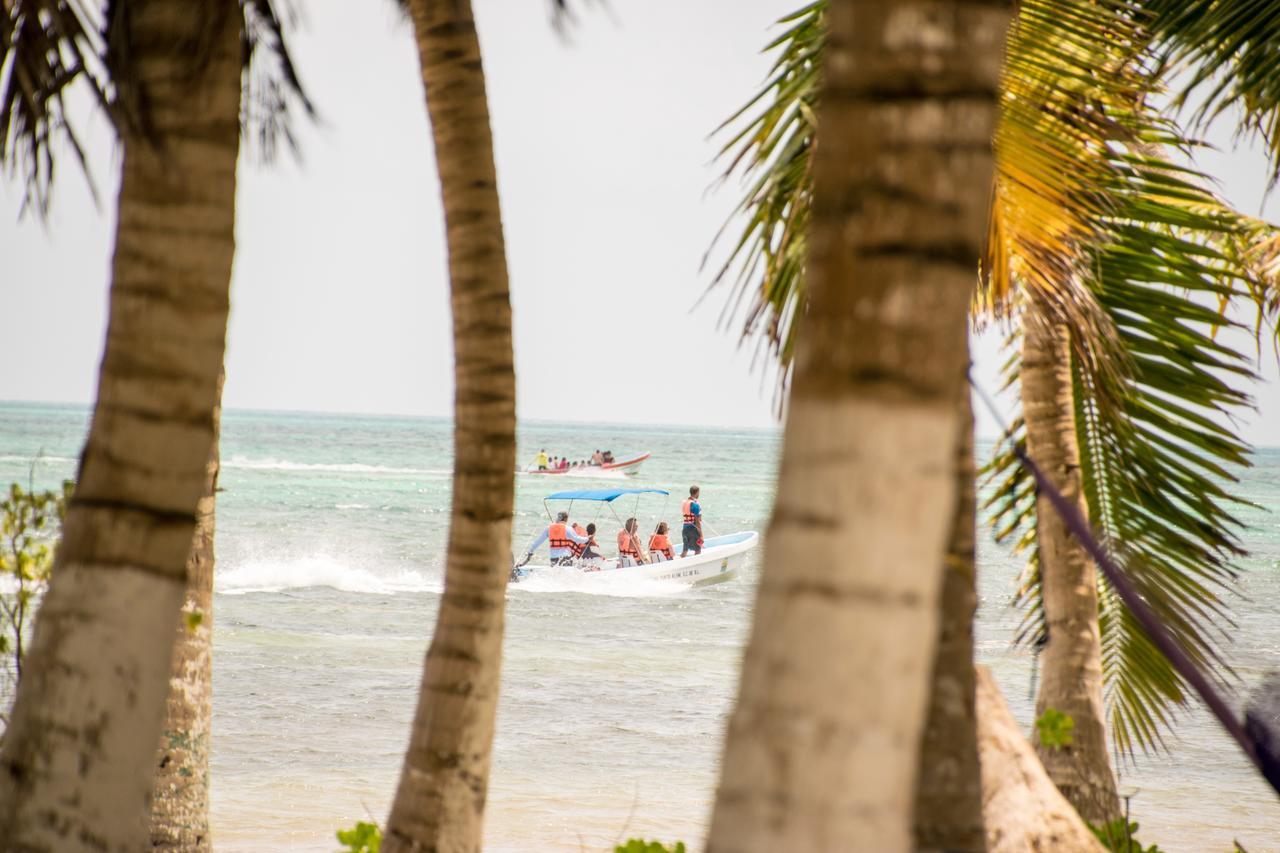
point(1229, 54)
point(770, 140)
point(1071, 90)
point(1156, 456)
point(46, 46)
point(272, 90)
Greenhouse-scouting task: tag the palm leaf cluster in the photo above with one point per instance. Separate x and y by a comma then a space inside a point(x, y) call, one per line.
point(1156, 459)
point(773, 147)
point(45, 47)
point(1228, 52)
point(1099, 228)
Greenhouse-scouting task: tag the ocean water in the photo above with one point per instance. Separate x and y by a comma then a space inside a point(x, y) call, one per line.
point(331, 537)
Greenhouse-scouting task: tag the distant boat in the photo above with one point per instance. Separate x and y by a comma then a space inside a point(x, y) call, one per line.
point(623, 466)
point(720, 560)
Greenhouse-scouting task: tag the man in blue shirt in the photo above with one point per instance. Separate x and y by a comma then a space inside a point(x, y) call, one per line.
point(562, 537)
point(691, 533)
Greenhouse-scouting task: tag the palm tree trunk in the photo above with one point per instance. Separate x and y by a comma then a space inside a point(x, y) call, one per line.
point(77, 758)
point(180, 792)
point(439, 804)
point(1071, 662)
point(823, 746)
point(949, 791)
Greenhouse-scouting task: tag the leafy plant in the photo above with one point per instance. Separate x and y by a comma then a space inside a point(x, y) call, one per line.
point(29, 524)
point(1055, 728)
point(1119, 836)
point(639, 845)
point(364, 837)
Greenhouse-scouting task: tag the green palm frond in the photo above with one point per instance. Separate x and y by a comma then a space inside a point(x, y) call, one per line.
point(1073, 87)
point(45, 47)
point(1157, 453)
point(1229, 52)
point(770, 143)
point(1124, 246)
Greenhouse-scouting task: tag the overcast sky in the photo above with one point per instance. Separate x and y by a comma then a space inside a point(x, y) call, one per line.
point(340, 289)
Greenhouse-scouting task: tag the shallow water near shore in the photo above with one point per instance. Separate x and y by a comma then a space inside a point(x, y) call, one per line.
point(331, 539)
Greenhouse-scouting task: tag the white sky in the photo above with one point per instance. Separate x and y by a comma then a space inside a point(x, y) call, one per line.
point(340, 289)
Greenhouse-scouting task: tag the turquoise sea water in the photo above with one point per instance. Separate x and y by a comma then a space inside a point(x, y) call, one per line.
point(331, 532)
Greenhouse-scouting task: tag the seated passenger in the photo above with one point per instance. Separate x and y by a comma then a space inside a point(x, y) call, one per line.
point(660, 545)
point(629, 552)
point(607, 457)
point(592, 549)
point(597, 458)
point(562, 538)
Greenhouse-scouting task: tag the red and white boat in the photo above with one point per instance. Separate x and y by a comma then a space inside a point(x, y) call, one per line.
point(619, 466)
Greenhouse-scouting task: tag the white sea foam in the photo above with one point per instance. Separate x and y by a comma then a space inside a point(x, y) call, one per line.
point(330, 467)
point(268, 575)
point(58, 460)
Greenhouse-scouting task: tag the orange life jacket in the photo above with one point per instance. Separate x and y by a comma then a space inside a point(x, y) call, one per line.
point(626, 544)
point(559, 536)
point(687, 510)
point(578, 547)
point(659, 542)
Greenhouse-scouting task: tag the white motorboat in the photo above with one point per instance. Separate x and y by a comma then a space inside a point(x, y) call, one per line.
point(721, 558)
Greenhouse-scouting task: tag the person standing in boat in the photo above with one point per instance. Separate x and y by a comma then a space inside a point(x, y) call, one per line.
point(541, 461)
point(562, 538)
point(629, 552)
point(597, 458)
point(691, 534)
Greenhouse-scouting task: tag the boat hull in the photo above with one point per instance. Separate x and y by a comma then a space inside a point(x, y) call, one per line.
point(721, 559)
point(622, 466)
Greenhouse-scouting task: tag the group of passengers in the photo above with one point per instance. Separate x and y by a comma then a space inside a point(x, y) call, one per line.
point(570, 542)
point(562, 463)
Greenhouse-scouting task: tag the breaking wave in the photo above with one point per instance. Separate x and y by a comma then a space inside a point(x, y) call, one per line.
point(320, 571)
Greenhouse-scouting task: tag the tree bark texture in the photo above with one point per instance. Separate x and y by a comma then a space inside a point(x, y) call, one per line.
point(439, 804)
point(1071, 662)
point(1024, 812)
point(823, 745)
point(77, 759)
point(180, 791)
point(949, 790)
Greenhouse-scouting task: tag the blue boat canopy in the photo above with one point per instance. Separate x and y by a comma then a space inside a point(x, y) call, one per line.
point(601, 494)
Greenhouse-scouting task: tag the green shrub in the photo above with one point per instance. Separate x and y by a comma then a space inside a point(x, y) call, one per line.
point(362, 838)
point(639, 845)
point(1054, 728)
point(1120, 836)
point(30, 521)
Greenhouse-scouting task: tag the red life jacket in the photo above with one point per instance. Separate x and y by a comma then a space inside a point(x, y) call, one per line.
point(687, 510)
point(626, 544)
point(559, 536)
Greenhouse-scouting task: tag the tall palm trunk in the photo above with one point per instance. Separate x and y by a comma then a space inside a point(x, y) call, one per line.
point(180, 793)
point(823, 745)
point(1071, 662)
point(439, 804)
point(949, 791)
point(77, 759)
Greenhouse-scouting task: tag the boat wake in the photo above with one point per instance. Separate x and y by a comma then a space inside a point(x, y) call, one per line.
point(245, 463)
point(258, 576)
